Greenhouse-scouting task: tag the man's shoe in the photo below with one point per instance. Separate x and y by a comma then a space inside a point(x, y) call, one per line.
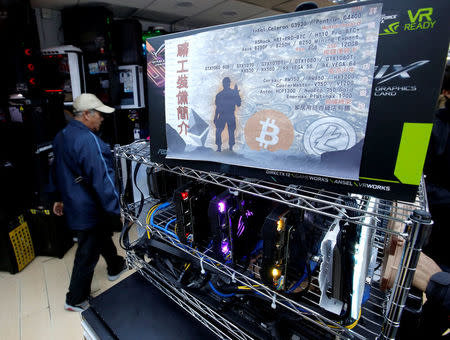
point(115, 276)
point(78, 307)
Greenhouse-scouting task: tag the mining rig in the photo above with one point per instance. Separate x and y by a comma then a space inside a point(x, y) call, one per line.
point(251, 259)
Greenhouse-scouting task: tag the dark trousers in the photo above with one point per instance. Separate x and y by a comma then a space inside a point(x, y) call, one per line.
point(91, 244)
point(220, 125)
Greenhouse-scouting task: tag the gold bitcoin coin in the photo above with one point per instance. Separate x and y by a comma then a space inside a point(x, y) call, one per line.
point(269, 130)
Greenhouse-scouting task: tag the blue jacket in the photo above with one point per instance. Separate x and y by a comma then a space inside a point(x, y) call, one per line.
point(79, 153)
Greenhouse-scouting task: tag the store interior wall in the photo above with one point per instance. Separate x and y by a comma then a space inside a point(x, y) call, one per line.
point(51, 33)
point(146, 24)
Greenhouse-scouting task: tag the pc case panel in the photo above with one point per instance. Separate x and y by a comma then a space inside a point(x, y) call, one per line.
point(132, 86)
point(76, 69)
point(75, 60)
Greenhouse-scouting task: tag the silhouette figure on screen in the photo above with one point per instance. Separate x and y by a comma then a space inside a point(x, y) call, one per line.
point(226, 102)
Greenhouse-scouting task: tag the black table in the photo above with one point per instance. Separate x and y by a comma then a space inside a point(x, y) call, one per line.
point(135, 309)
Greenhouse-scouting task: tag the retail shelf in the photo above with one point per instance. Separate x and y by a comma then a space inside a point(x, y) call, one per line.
point(319, 201)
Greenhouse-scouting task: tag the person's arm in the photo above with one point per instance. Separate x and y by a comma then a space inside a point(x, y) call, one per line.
point(99, 171)
point(52, 188)
point(238, 97)
point(426, 268)
point(216, 115)
point(430, 279)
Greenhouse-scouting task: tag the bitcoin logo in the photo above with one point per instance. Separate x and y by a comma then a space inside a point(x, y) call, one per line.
point(328, 134)
point(269, 130)
point(273, 134)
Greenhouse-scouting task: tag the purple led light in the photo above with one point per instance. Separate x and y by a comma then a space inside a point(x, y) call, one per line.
point(241, 226)
point(221, 206)
point(248, 213)
point(225, 248)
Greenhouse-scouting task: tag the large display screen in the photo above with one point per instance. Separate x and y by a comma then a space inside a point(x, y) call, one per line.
point(340, 98)
point(272, 96)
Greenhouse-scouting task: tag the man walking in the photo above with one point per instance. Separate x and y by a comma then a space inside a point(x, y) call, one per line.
point(83, 178)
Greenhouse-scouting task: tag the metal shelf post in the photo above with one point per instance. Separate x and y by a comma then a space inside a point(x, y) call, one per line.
point(419, 229)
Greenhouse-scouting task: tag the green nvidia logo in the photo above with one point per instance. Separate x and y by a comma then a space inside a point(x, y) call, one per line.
point(391, 29)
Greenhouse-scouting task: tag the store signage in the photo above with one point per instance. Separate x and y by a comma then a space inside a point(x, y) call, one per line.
point(420, 20)
point(303, 98)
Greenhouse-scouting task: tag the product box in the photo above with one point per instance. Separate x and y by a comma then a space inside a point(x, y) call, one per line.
point(16, 246)
point(50, 234)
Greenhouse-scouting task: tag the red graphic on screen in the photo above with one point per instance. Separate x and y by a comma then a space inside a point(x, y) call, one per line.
point(156, 64)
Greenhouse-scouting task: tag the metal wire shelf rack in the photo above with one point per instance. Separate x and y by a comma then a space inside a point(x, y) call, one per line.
point(277, 300)
point(319, 201)
point(411, 215)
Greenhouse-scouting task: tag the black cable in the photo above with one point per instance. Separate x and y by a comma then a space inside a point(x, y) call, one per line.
point(141, 205)
point(124, 241)
point(150, 172)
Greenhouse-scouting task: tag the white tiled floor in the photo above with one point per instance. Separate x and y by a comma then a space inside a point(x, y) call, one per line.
point(32, 301)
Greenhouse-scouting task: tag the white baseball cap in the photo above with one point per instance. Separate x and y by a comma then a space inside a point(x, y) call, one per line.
point(88, 101)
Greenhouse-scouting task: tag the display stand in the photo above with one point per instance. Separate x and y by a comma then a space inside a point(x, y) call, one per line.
point(379, 317)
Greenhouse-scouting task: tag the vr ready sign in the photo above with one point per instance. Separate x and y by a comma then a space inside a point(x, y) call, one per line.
point(377, 127)
point(417, 19)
